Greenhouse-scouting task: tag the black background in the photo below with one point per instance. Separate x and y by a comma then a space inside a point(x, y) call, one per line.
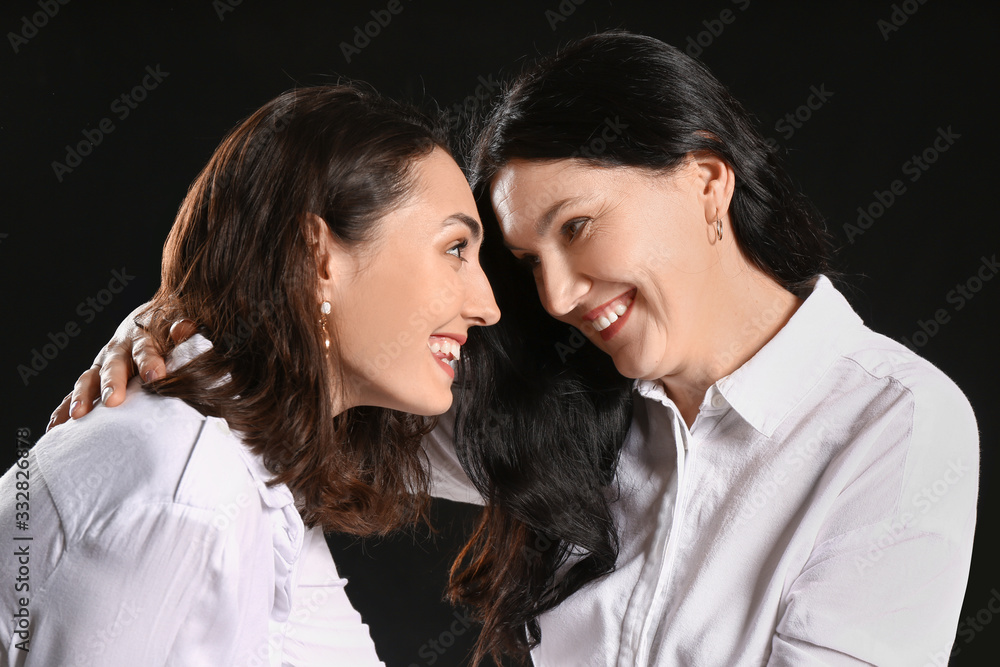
point(888, 92)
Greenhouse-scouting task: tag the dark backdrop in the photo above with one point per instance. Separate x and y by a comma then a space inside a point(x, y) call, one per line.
point(885, 110)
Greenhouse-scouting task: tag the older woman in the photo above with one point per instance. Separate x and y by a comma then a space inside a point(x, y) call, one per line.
point(760, 478)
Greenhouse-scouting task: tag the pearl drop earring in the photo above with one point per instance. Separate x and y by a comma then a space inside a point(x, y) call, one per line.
point(325, 308)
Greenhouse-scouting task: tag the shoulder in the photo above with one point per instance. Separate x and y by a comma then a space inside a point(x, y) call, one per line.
point(871, 365)
point(937, 402)
point(149, 451)
point(922, 410)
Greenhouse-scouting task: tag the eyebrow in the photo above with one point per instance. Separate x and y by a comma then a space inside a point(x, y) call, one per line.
point(545, 221)
point(462, 219)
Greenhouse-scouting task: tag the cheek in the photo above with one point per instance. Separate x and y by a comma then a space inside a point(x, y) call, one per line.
point(625, 252)
point(375, 330)
point(438, 298)
point(432, 302)
point(442, 304)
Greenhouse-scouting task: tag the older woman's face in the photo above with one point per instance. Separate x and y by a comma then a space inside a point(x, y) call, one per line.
point(627, 256)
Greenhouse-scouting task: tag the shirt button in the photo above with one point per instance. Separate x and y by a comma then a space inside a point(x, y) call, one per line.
point(718, 401)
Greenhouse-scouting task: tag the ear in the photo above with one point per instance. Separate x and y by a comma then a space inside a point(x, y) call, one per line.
point(717, 182)
point(332, 258)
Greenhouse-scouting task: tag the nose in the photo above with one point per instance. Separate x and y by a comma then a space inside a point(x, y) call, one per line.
point(480, 307)
point(559, 287)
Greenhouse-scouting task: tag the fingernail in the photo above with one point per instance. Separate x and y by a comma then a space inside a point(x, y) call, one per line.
point(72, 409)
point(106, 394)
point(149, 376)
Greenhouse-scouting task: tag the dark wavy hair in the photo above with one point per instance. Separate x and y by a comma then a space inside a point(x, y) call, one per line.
point(241, 261)
point(544, 413)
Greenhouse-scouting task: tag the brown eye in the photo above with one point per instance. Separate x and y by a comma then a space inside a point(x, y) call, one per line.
point(458, 249)
point(573, 227)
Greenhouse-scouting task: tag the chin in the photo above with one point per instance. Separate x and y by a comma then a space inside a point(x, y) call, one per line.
point(435, 411)
point(420, 391)
point(631, 366)
point(429, 404)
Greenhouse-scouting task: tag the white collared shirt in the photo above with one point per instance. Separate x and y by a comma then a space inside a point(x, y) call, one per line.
point(155, 540)
point(820, 510)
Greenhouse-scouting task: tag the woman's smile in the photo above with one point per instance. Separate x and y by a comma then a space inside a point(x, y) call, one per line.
point(609, 318)
point(446, 350)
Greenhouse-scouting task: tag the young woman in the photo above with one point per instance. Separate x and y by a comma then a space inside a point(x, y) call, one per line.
point(692, 450)
point(185, 527)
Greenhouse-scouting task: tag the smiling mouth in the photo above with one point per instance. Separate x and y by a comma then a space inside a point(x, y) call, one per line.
point(602, 317)
point(447, 351)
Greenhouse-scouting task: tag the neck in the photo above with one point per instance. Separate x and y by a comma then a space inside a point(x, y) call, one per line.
point(746, 316)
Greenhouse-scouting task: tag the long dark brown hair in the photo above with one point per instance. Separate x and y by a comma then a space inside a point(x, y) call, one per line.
point(544, 413)
point(241, 261)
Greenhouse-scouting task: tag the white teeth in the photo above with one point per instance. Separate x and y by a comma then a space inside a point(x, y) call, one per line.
point(447, 346)
point(611, 316)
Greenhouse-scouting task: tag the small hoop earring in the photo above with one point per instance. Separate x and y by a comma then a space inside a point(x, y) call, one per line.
point(718, 228)
point(325, 309)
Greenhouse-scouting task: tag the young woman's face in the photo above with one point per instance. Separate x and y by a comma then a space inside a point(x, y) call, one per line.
point(403, 303)
point(626, 256)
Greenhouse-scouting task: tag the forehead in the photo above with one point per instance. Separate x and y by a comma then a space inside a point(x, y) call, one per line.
point(439, 183)
point(525, 189)
point(530, 193)
point(520, 178)
point(439, 195)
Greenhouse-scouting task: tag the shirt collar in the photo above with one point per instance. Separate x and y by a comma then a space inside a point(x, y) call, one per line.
point(772, 382)
point(276, 496)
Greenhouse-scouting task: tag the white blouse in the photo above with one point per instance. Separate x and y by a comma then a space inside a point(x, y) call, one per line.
point(153, 539)
point(819, 511)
